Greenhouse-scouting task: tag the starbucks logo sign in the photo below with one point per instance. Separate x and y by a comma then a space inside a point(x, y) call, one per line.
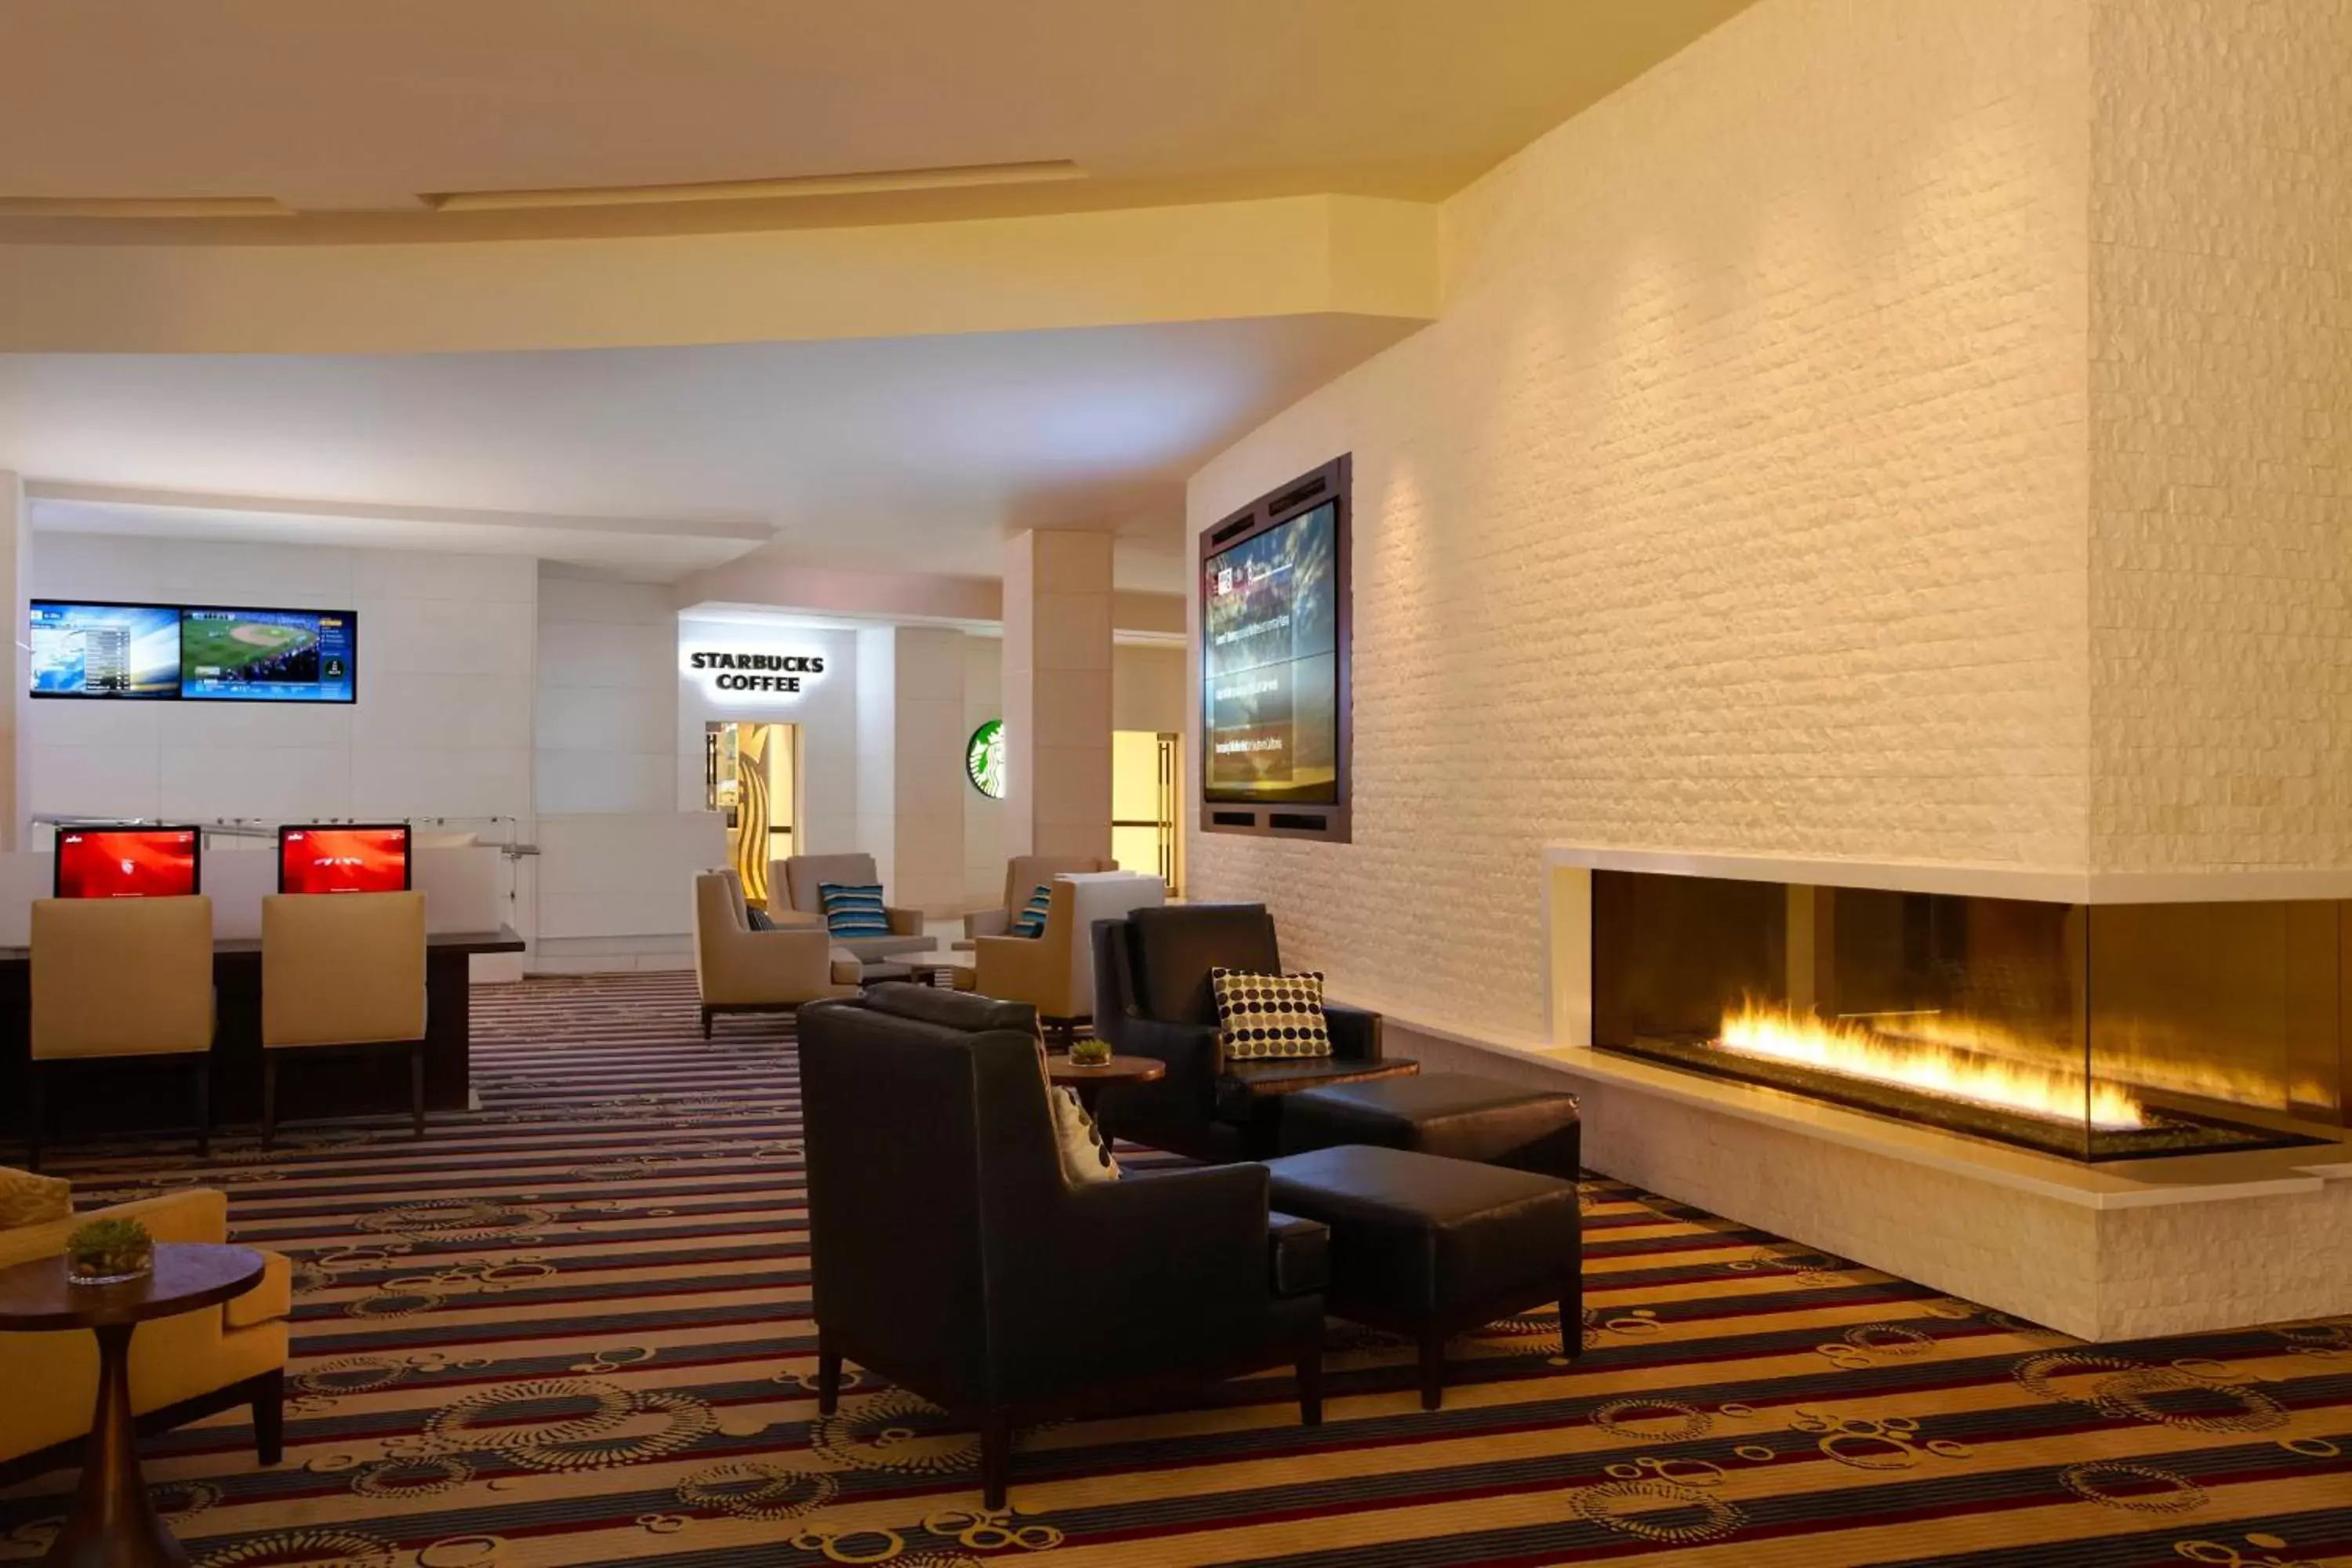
point(983, 759)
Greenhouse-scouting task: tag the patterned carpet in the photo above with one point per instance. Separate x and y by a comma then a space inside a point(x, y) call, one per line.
point(571, 1329)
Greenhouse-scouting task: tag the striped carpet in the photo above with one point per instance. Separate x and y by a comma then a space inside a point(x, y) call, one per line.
point(571, 1329)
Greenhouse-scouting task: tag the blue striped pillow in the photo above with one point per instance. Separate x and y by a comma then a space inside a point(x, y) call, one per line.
point(1030, 920)
point(851, 910)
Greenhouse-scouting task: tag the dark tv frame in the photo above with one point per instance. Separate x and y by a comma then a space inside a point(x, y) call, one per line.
point(408, 860)
point(351, 616)
point(179, 675)
point(1329, 823)
point(56, 855)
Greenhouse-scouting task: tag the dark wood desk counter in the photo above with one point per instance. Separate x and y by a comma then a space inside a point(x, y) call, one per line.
point(146, 1094)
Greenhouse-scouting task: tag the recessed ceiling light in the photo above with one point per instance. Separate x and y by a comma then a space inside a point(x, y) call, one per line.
point(143, 207)
point(872, 183)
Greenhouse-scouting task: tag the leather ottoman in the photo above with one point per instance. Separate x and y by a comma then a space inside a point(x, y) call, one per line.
point(1449, 1113)
point(1432, 1246)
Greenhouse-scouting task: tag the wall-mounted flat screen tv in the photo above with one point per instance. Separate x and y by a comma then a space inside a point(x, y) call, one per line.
point(173, 652)
point(338, 858)
point(126, 862)
point(268, 655)
point(104, 650)
point(1270, 677)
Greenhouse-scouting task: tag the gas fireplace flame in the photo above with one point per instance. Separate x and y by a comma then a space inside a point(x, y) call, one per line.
point(1931, 1054)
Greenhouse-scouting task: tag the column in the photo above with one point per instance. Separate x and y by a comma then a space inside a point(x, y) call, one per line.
point(911, 762)
point(1057, 620)
point(16, 576)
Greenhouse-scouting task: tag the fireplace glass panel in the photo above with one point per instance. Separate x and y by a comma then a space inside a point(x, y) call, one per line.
point(2112, 1032)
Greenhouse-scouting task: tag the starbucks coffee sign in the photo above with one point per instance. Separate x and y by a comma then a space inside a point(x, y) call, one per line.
point(737, 672)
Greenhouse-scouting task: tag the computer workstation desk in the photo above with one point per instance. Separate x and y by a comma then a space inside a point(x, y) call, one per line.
point(127, 1092)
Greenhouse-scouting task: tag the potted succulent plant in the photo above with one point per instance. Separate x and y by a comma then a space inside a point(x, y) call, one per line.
point(1090, 1053)
point(108, 1252)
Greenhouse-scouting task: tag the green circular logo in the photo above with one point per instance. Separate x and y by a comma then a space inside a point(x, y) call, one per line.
point(983, 759)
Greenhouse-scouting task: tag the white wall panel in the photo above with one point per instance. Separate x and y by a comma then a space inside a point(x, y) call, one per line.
point(443, 723)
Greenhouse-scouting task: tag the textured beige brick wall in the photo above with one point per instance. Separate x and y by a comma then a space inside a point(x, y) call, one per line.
point(2222, 432)
point(1734, 502)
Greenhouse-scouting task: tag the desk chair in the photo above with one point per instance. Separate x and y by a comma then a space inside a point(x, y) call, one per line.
point(341, 970)
point(116, 978)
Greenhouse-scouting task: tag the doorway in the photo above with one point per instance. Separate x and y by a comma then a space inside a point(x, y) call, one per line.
point(1143, 796)
point(751, 778)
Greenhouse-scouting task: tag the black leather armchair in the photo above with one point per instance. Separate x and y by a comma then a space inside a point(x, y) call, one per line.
point(1152, 999)
point(951, 1257)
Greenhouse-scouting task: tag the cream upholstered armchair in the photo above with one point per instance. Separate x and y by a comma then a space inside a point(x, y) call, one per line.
point(117, 978)
point(792, 900)
point(1023, 875)
point(181, 1368)
point(341, 970)
point(739, 970)
point(1054, 972)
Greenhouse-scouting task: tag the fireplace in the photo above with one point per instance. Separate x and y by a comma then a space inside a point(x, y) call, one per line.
point(2096, 1032)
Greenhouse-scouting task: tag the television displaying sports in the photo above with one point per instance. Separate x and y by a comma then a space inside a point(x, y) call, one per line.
point(104, 650)
point(1270, 675)
point(268, 655)
point(325, 858)
point(126, 862)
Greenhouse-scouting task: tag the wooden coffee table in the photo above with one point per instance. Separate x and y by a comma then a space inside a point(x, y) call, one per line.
point(112, 1524)
point(1090, 1082)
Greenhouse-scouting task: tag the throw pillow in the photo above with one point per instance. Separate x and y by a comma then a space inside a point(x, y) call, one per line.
point(760, 921)
point(1086, 1156)
point(28, 1199)
point(1260, 1015)
point(853, 911)
point(1030, 920)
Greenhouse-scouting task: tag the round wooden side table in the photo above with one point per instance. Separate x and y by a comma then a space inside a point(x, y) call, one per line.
point(1090, 1082)
point(112, 1524)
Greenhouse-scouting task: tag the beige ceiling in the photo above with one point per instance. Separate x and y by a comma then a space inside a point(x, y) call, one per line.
point(348, 110)
point(892, 454)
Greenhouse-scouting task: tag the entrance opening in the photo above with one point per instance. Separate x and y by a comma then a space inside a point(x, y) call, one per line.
point(1144, 790)
point(751, 777)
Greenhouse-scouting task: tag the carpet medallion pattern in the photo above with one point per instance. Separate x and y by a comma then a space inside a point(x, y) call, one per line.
point(571, 1329)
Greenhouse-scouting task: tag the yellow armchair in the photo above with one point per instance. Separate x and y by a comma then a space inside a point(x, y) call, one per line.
point(739, 970)
point(181, 1368)
point(1055, 972)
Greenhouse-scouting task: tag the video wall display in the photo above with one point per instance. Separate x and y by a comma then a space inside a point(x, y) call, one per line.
point(1270, 680)
point(337, 859)
point(126, 862)
point(194, 653)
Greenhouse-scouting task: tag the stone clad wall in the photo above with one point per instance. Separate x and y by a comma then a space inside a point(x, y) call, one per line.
point(2221, 433)
point(1736, 501)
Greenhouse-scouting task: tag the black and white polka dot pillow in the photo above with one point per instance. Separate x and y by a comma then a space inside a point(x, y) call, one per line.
point(1271, 1014)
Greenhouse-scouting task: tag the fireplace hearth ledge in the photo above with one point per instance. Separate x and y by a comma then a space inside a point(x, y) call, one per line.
point(1970, 879)
point(2186, 1245)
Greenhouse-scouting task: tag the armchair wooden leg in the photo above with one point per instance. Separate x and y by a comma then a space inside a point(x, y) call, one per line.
point(268, 1099)
point(204, 1105)
point(35, 1106)
point(269, 1417)
point(706, 1023)
point(995, 1460)
point(1432, 1368)
point(417, 1088)
point(828, 1377)
point(1571, 1321)
point(1310, 1388)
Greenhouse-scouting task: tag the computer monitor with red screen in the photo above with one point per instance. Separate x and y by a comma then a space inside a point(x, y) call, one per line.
point(126, 862)
point(337, 857)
